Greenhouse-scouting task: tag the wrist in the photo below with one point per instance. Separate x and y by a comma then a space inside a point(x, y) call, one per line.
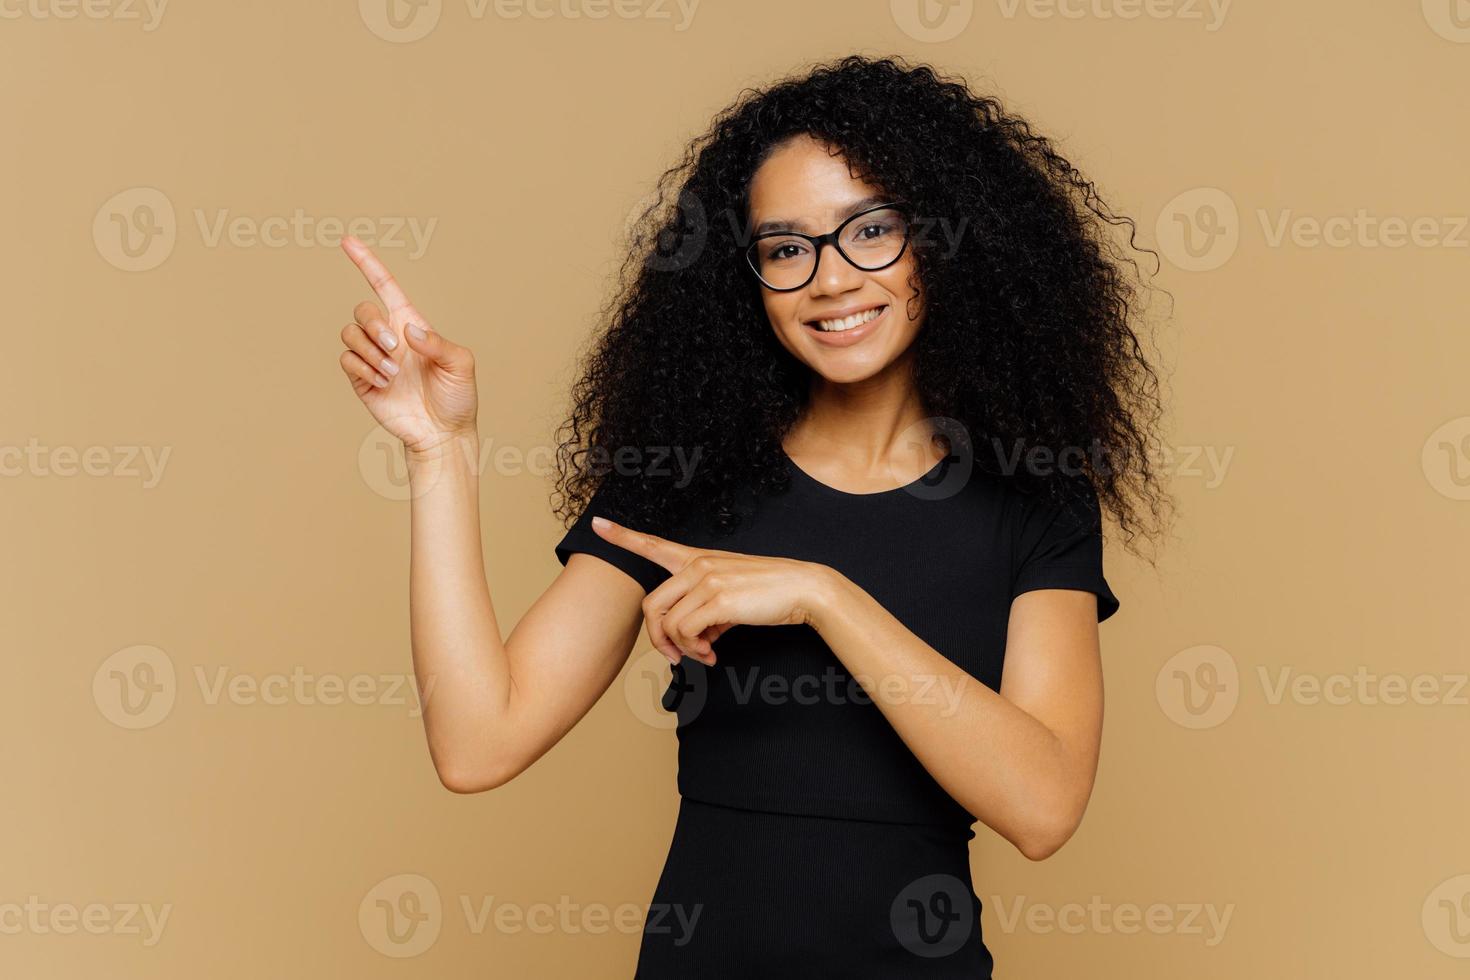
point(829, 590)
point(447, 447)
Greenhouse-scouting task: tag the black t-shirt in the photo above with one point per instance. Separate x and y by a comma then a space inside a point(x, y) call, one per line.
point(778, 723)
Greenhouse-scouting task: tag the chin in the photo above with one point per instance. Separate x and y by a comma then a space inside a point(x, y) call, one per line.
point(840, 367)
point(852, 363)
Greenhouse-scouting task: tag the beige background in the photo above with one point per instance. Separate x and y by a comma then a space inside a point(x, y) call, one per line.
point(1325, 543)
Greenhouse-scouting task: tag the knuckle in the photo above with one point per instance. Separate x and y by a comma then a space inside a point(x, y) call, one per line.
point(365, 311)
point(703, 564)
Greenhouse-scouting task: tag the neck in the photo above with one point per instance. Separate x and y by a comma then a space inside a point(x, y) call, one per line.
point(862, 422)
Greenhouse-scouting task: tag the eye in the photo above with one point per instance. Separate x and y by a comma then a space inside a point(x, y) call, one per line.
point(783, 250)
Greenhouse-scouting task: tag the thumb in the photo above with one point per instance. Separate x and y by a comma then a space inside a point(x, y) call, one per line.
point(431, 344)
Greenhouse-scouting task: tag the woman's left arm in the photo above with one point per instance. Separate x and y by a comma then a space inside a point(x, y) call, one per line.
point(1022, 760)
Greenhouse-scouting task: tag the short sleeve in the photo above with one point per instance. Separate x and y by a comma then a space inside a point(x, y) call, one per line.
point(1059, 546)
point(581, 537)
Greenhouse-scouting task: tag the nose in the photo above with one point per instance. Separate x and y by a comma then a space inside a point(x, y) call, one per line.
point(835, 275)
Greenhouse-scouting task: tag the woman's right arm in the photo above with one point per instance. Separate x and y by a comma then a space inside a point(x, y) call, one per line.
point(492, 705)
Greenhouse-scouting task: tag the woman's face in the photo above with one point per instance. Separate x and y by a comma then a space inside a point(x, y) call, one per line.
point(803, 187)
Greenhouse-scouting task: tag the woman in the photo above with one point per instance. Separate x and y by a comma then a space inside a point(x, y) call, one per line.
point(844, 446)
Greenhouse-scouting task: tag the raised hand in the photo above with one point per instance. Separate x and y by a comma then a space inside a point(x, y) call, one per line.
point(710, 591)
point(416, 384)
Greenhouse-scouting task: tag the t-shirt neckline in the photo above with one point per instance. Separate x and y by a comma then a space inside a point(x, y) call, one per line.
point(807, 478)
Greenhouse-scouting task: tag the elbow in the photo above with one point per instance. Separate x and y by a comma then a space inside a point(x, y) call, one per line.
point(1044, 840)
point(1039, 848)
point(466, 779)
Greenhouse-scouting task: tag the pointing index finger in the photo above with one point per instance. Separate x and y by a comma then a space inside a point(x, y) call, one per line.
point(376, 273)
point(661, 551)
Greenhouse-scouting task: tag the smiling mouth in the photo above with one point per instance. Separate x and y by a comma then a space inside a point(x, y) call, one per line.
point(846, 323)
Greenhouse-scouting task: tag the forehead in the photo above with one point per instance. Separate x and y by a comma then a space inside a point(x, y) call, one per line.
point(805, 184)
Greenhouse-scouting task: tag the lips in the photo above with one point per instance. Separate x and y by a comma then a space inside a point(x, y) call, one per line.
point(865, 321)
point(847, 318)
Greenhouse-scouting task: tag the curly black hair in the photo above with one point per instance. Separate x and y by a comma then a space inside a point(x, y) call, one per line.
point(1031, 338)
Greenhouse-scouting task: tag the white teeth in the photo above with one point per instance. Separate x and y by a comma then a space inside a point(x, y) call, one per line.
point(847, 323)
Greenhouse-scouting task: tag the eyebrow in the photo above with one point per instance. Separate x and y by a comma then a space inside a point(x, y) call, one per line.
point(785, 224)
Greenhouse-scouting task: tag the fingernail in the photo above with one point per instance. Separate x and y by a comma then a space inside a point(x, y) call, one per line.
point(389, 368)
point(380, 381)
point(419, 333)
point(600, 522)
point(387, 341)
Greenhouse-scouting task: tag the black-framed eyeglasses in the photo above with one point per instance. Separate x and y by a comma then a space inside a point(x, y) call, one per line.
point(872, 239)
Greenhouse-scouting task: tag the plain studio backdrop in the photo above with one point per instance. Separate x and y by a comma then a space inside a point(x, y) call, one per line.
point(214, 765)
